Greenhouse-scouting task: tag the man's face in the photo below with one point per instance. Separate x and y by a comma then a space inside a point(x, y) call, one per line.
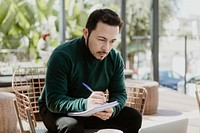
point(101, 39)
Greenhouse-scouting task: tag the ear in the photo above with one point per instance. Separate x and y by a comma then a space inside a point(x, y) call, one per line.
point(85, 33)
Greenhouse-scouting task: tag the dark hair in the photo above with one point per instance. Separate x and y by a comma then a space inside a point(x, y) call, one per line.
point(106, 16)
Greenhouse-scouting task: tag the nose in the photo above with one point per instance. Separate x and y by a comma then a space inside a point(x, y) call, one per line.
point(106, 46)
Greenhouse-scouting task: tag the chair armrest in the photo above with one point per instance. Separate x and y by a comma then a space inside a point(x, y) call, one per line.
point(24, 107)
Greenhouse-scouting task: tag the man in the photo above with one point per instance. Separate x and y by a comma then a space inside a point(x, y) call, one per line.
point(90, 59)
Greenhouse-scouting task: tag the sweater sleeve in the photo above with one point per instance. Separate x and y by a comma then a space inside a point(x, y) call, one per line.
point(117, 90)
point(56, 98)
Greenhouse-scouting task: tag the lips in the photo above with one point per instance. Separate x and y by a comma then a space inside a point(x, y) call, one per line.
point(102, 53)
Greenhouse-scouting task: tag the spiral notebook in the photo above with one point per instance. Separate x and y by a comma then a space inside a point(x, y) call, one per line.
point(90, 112)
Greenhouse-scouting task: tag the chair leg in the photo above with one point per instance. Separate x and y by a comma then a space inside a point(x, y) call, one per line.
point(19, 120)
point(32, 127)
point(198, 99)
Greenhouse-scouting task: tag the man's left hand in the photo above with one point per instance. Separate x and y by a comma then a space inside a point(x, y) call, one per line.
point(104, 115)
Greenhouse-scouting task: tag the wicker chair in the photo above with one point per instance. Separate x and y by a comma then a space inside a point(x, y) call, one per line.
point(136, 98)
point(27, 84)
point(197, 92)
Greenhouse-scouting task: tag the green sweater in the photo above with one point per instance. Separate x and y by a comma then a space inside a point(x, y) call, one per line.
point(70, 65)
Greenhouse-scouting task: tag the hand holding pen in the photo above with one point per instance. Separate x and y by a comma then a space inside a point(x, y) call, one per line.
point(96, 98)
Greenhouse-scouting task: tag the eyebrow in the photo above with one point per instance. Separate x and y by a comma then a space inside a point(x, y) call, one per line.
point(106, 38)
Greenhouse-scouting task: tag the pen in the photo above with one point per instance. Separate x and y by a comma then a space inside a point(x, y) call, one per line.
point(87, 87)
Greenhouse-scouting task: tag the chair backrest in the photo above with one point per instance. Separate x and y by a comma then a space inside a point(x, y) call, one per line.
point(136, 98)
point(27, 83)
point(197, 92)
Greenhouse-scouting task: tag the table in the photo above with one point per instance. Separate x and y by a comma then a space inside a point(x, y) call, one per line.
point(128, 73)
point(5, 80)
point(152, 90)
